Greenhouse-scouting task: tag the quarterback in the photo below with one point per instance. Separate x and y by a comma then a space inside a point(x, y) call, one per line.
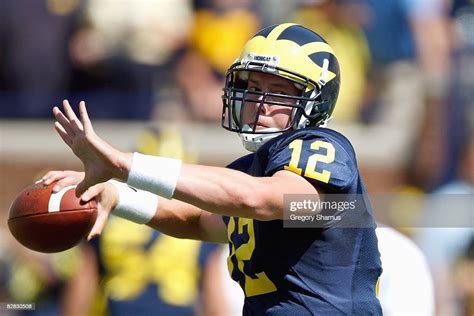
point(278, 96)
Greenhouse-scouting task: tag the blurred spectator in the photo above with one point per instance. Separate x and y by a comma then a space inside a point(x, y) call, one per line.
point(46, 280)
point(444, 244)
point(123, 51)
point(410, 50)
point(411, 33)
point(464, 269)
point(220, 29)
point(34, 62)
point(3, 261)
point(274, 11)
point(339, 23)
point(144, 272)
point(458, 115)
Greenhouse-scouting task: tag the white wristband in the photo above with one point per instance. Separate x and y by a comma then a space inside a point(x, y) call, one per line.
point(135, 205)
point(154, 174)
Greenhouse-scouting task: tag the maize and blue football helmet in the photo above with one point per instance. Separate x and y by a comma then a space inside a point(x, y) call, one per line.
point(292, 52)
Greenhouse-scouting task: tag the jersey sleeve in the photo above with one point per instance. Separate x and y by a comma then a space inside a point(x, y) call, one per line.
point(323, 161)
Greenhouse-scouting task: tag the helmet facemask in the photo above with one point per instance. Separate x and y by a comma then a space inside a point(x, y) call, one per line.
point(243, 107)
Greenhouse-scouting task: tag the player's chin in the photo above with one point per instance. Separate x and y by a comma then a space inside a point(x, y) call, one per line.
point(260, 127)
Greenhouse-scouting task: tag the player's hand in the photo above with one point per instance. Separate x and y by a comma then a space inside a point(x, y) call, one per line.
point(64, 178)
point(105, 194)
point(101, 161)
point(106, 197)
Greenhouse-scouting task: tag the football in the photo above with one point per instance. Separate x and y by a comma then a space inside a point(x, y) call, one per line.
point(50, 222)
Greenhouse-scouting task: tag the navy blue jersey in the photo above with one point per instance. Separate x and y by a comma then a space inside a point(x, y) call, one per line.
point(306, 271)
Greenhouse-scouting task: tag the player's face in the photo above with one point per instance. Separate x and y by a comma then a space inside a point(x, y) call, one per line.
point(271, 116)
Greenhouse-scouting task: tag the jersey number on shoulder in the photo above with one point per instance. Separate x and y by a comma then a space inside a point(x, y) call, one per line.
point(310, 171)
point(259, 283)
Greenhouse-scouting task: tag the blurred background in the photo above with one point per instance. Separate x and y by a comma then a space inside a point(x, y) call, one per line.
point(152, 72)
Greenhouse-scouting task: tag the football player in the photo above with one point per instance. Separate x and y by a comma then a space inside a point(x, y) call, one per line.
point(278, 96)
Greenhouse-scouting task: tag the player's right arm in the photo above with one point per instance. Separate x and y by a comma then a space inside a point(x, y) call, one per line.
point(183, 220)
point(172, 217)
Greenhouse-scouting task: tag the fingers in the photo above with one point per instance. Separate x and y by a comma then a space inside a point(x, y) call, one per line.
point(63, 134)
point(63, 183)
point(75, 123)
point(64, 178)
point(49, 177)
point(63, 121)
point(67, 178)
point(68, 122)
point(90, 185)
point(81, 189)
point(86, 122)
point(91, 192)
point(69, 111)
point(105, 204)
point(102, 216)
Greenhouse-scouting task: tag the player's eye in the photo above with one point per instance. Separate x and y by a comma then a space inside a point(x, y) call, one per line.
point(254, 89)
point(251, 97)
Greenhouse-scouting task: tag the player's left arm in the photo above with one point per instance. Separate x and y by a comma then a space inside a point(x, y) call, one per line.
point(234, 193)
point(213, 189)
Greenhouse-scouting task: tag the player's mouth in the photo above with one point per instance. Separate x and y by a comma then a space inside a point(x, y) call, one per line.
point(259, 126)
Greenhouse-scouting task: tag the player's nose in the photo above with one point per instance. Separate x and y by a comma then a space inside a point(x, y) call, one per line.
point(262, 106)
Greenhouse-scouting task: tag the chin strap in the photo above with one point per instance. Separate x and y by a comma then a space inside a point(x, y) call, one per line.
point(252, 142)
point(310, 106)
point(303, 121)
